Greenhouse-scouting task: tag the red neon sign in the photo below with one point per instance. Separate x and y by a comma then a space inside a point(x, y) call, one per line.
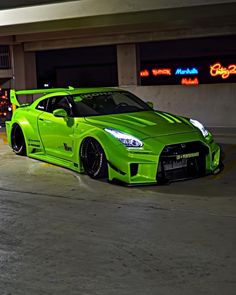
point(144, 73)
point(189, 81)
point(157, 72)
point(218, 70)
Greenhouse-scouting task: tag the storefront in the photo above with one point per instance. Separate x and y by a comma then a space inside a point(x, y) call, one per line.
point(188, 62)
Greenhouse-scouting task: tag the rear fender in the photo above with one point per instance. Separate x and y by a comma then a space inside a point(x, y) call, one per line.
point(8, 131)
point(30, 132)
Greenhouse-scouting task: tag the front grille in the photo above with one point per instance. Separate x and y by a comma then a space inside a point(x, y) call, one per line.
point(182, 161)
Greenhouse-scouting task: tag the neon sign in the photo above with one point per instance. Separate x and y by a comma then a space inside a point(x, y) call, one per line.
point(186, 71)
point(157, 72)
point(218, 70)
point(144, 73)
point(189, 81)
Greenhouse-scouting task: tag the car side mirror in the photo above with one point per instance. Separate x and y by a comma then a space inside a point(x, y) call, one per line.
point(150, 104)
point(61, 113)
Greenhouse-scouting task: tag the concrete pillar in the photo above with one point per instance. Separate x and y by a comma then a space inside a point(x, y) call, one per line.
point(24, 70)
point(18, 65)
point(127, 65)
point(30, 70)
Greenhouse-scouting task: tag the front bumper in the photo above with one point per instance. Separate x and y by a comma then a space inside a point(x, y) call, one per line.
point(164, 160)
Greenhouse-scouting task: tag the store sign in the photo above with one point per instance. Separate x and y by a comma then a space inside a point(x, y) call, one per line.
point(158, 72)
point(186, 71)
point(144, 73)
point(189, 81)
point(218, 70)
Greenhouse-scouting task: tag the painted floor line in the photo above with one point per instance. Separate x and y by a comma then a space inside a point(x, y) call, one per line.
point(3, 137)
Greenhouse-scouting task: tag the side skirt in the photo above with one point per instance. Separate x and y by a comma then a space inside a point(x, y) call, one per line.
point(56, 161)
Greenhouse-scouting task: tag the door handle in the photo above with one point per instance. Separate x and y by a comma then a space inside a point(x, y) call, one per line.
point(46, 121)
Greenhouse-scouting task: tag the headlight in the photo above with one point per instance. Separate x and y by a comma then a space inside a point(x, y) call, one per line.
point(200, 127)
point(126, 139)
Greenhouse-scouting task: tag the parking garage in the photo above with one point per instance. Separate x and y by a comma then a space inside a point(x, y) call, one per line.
point(65, 233)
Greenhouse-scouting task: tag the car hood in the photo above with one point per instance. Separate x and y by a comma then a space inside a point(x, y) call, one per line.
point(144, 124)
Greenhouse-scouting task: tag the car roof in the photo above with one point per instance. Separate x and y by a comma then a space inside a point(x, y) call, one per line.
point(76, 91)
point(40, 94)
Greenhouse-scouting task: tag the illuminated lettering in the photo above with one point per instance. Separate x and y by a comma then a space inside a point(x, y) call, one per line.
point(218, 70)
point(186, 71)
point(187, 156)
point(189, 81)
point(157, 72)
point(144, 73)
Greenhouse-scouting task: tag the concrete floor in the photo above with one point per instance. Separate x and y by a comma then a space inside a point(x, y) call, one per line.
point(63, 233)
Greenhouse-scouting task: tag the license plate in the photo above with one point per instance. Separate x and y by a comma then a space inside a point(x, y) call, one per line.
point(187, 156)
point(175, 164)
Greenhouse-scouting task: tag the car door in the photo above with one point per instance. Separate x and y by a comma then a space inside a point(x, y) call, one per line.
point(57, 133)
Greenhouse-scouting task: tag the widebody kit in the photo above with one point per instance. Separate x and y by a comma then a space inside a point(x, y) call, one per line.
point(110, 133)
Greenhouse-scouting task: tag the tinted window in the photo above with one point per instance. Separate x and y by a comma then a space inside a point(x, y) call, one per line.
point(95, 104)
point(42, 105)
point(59, 102)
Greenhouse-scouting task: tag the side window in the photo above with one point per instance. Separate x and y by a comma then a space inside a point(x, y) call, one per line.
point(123, 98)
point(59, 102)
point(52, 104)
point(42, 105)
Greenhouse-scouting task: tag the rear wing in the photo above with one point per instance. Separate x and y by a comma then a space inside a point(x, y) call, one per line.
point(15, 93)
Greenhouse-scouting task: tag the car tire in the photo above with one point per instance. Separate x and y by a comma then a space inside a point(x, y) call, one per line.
point(18, 141)
point(93, 158)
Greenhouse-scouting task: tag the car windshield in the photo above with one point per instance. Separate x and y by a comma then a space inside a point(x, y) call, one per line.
point(105, 103)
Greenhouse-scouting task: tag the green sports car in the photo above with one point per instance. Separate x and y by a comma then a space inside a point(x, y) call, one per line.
point(112, 134)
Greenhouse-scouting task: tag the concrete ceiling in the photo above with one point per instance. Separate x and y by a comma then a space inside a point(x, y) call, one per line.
point(92, 14)
point(22, 3)
point(90, 22)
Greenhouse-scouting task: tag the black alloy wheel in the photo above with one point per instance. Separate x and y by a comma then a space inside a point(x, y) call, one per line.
point(18, 141)
point(93, 158)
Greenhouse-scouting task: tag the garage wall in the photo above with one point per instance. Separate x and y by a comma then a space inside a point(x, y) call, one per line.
point(212, 104)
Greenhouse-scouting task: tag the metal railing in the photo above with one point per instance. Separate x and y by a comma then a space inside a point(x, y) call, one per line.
point(5, 58)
